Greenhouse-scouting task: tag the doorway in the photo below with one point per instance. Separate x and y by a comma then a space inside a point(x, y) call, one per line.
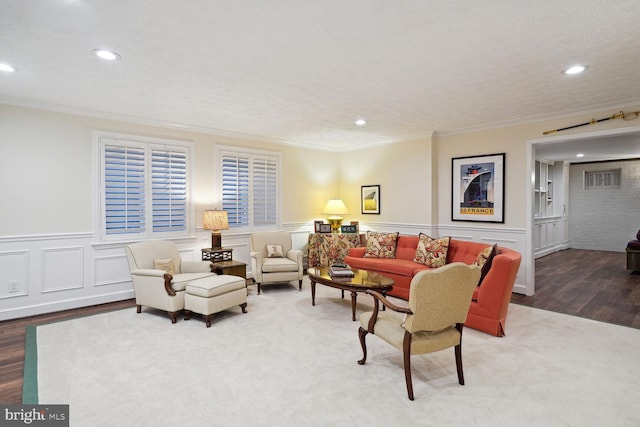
point(599, 146)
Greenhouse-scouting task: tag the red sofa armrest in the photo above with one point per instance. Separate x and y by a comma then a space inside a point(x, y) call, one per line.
point(357, 252)
point(494, 293)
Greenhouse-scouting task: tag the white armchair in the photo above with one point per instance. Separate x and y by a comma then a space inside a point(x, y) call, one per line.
point(270, 264)
point(160, 276)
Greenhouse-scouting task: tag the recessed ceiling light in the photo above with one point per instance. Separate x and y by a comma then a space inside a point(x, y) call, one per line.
point(579, 155)
point(575, 69)
point(7, 68)
point(361, 122)
point(108, 55)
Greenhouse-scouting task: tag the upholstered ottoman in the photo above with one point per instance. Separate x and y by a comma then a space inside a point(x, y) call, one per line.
point(214, 294)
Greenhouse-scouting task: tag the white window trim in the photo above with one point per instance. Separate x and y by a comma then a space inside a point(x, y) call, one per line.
point(99, 214)
point(218, 150)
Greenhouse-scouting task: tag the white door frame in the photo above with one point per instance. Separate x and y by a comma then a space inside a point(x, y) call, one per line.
point(530, 260)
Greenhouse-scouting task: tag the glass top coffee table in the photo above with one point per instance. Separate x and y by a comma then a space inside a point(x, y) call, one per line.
point(362, 280)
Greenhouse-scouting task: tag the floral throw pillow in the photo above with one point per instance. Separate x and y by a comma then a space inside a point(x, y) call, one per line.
point(274, 251)
point(381, 245)
point(432, 252)
point(484, 259)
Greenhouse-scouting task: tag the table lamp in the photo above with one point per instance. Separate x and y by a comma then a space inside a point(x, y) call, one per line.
point(215, 220)
point(335, 208)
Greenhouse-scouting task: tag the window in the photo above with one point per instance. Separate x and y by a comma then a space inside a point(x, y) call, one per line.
point(249, 184)
point(144, 187)
point(602, 179)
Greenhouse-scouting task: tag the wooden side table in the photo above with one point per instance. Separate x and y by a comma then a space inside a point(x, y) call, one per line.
point(231, 268)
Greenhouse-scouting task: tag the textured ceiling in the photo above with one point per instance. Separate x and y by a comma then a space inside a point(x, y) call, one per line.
point(302, 72)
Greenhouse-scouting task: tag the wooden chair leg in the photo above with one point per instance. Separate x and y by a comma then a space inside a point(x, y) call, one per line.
point(138, 308)
point(243, 306)
point(362, 333)
point(174, 316)
point(258, 288)
point(458, 351)
point(187, 314)
point(406, 350)
point(300, 284)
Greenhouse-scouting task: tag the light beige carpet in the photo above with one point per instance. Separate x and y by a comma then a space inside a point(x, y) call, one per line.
point(286, 363)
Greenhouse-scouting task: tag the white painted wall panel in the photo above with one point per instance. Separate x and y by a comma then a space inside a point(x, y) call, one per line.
point(62, 269)
point(14, 280)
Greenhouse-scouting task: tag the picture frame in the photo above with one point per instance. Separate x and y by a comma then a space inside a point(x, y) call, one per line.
point(477, 188)
point(325, 228)
point(316, 226)
point(348, 229)
point(370, 199)
point(356, 224)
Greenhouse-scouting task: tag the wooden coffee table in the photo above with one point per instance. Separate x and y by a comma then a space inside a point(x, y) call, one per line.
point(362, 280)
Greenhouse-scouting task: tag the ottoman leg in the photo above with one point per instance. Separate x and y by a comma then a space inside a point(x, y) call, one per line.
point(243, 306)
point(207, 318)
point(187, 314)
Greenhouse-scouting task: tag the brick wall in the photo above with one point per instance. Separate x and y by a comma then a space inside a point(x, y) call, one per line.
point(604, 219)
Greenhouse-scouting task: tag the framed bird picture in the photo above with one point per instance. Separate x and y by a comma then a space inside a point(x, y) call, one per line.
point(370, 199)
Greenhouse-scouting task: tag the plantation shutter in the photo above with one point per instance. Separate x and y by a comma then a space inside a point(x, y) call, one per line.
point(250, 188)
point(169, 189)
point(264, 191)
point(124, 189)
point(235, 188)
point(145, 187)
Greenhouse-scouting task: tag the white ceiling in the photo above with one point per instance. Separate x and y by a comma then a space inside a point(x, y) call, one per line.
point(301, 72)
point(593, 149)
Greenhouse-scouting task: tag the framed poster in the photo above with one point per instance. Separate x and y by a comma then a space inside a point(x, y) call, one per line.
point(477, 189)
point(370, 199)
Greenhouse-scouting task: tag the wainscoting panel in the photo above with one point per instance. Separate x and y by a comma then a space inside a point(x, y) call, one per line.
point(46, 273)
point(62, 269)
point(111, 270)
point(15, 273)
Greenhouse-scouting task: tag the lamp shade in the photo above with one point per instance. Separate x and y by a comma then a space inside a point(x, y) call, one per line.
point(335, 207)
point(215, 220)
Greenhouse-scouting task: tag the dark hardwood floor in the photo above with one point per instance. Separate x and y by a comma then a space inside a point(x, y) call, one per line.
point(591, 284)
point(12, 343)
point(586, 283)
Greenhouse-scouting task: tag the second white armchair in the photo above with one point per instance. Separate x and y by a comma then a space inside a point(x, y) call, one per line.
point(274, 260)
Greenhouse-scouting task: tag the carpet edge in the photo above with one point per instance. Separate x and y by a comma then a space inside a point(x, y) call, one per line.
point(30, 379)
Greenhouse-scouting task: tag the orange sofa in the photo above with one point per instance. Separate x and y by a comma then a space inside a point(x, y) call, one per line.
point(488, 310)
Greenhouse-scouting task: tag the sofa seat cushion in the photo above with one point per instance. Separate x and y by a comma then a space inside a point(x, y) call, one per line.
point(180, 281)
point(402, 267)
point(277, 265)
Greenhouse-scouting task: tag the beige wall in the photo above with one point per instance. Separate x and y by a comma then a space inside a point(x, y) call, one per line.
point(48, 162)
point(48, 171)
point(513, 141)
point(404, 172)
